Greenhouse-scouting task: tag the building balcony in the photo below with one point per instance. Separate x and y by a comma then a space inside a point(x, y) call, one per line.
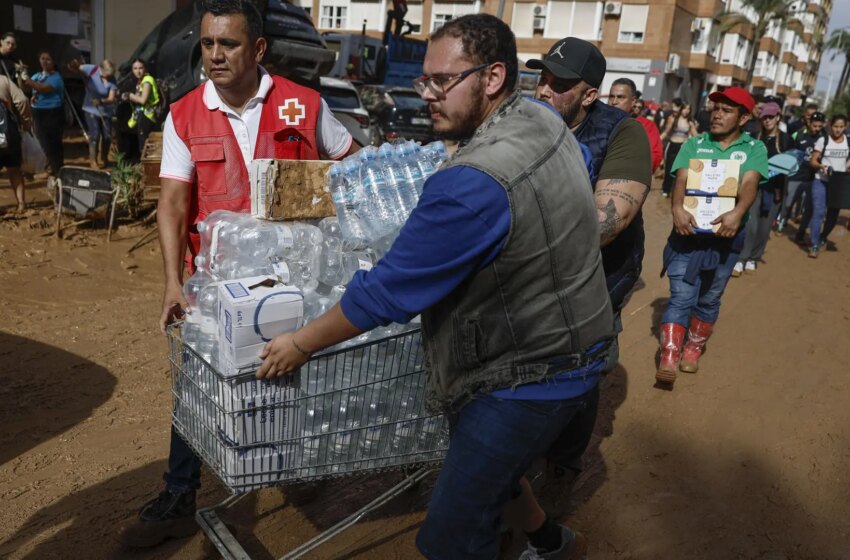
point(807, 38)
point(789, 58)
point(801, 65)
point(770, 45)
point(699, 61)
point(782, 89)
point(762, 82)
point(706, 8)
point(735, 72)
point(746, 30)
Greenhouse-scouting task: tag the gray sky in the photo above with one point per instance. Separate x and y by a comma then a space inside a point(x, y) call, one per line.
point(840, 18)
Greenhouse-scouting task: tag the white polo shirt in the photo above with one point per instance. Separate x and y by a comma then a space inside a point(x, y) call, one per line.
point(332, 137)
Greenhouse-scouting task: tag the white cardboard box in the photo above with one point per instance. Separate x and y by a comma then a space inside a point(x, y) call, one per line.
point(252, 311)
point(706, 209)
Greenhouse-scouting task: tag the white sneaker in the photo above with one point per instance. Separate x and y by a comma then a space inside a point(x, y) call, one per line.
point(750, 267)
point(738, 269)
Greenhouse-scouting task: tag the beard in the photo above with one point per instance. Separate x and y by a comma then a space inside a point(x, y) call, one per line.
point(464, 126)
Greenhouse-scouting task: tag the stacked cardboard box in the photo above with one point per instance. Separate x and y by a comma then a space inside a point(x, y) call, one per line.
point(711, 190)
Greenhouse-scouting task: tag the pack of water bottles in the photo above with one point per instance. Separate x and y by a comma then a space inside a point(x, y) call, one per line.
point(375, 189)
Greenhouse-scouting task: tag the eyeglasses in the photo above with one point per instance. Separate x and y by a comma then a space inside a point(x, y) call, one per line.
point(439, 84)
point(769, 117)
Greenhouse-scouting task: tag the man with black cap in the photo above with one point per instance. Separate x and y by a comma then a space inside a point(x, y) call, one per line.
point(571, 74)
point(699, 265)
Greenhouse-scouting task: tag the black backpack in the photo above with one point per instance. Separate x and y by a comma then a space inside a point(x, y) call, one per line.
point(10, 136)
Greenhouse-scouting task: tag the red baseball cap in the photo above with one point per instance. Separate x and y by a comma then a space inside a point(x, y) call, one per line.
point(736, 96)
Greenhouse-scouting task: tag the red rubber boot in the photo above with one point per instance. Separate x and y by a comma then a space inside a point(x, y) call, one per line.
point(698, 334)
point(672, 336)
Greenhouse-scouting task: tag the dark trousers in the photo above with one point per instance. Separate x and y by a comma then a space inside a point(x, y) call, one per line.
point(184, 467)
point(49, 127)
point(670, 179)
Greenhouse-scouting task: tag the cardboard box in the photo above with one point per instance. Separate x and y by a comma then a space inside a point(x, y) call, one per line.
point(290, 190)
point(713, 177)
point(252, 311)
point(706, 209)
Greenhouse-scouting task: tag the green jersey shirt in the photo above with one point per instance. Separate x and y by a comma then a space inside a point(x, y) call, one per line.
point(750, 153)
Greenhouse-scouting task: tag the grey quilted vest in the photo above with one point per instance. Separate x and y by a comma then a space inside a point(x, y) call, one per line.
point(544, 297)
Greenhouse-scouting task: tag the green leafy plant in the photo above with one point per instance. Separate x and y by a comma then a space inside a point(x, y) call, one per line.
point(127, 182)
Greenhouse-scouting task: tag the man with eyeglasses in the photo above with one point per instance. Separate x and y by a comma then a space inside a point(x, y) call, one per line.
point(501, 258)
point(571, 74)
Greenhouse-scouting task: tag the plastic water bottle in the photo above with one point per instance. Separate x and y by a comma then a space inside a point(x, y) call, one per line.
point(353, 261)
point(426, 164)
point(410, 167)
point(404, 192)
point(193, 286)
point(383, 213)
point(346, 202)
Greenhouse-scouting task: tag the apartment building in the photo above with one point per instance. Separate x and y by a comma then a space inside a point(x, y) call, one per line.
point(669, 48)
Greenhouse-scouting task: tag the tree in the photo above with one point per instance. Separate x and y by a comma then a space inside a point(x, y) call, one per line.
point(839, 43)
point(767, 11)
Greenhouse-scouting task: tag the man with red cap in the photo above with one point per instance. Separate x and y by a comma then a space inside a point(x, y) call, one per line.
point(700, 264)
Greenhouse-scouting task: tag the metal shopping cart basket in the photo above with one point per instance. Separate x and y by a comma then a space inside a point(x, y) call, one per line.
point(350, 411)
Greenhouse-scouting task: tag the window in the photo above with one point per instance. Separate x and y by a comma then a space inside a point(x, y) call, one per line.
point(334, 17)
point(339, 98)
point(633, 23)
point(440, 20)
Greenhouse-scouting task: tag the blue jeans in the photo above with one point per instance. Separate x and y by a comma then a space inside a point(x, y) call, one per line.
point(184, 467)
point(493, 443)
point(100, 129)
point(818, 210)
point(702, 298)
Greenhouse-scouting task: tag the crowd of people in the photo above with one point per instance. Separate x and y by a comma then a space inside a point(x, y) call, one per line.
point(552, 224)
point(39, 104)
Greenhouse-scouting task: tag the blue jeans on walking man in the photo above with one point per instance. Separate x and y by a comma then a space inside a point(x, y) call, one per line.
point(699, 296)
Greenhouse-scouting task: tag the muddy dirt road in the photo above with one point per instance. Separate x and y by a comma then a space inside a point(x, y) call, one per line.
point(747, 459)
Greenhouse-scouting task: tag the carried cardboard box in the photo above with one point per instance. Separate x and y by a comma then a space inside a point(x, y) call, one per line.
point(252, 311)
point(290, 190)
point(706, 209)
point(713, 177)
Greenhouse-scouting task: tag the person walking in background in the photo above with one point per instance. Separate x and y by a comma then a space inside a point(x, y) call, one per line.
point(800, 125)
point(769, 198)
point(678, 127)
point(704, 116)
point(830, 155)
point(699, 265)
point(801, 182)
point(624, 95)
point(47, 111)
point(752, 127)
point(98, 106)
point(8, 64)
point(145, 101)
point(19, 120)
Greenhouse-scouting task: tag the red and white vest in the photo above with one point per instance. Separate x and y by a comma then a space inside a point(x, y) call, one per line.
point(287, 131)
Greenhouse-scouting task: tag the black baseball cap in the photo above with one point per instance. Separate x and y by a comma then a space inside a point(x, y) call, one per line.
point(571, 59)
point(818, 116)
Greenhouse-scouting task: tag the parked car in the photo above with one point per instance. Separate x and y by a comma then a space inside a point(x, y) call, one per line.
point(342, 98)
point(173, 49)
point(399, 113)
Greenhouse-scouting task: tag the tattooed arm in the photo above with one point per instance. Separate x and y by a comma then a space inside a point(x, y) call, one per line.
point(618, 201)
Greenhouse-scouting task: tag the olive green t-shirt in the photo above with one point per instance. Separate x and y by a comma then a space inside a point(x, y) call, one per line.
point(628, 156)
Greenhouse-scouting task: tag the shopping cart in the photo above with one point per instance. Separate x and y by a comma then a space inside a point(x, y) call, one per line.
point(354, 410)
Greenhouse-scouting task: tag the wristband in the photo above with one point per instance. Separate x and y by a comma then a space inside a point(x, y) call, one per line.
point(299, 349)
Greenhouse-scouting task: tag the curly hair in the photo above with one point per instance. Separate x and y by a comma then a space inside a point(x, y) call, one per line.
point(253, 17)
point(486, 39)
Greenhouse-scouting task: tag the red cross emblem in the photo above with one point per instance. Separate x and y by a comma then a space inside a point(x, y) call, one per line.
point(291, 112)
